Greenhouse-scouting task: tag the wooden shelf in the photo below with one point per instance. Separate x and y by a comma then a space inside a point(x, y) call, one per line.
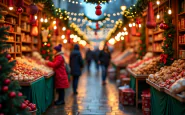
point(11, 52)
point(6, 22)
point(26, 42)
point(160, 21)
point(24, 13)
point(18, 52)
point(157, 51)
point(182, 13)
point(182, 30)
point(26, 50)
point(181, 43)
point(18, 42)
point(25, 31)
point(158, 40)
point(158, 32)
point(10, 41)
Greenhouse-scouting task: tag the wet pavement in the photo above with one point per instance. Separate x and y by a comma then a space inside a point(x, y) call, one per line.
point(93, 99)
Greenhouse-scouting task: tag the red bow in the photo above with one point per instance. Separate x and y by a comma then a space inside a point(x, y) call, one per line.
point(163, 58)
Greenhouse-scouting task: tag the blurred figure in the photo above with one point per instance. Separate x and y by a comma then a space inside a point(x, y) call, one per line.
point(61, 77)
point(76, 65)
point(88, 59)
point(96, 58)
point(104, 59)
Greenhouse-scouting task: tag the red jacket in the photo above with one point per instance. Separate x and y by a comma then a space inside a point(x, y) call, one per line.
point(61, 78)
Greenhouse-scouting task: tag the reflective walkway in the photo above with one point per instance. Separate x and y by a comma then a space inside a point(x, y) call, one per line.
point(93, 99)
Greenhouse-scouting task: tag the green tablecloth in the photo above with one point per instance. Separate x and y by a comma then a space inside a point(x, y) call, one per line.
point(164, 104)
point(142, 85)
point(41, 93)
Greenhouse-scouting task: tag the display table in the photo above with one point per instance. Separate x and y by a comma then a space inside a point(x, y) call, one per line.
point(164, 104)
point(40, 92)
point(137, 83)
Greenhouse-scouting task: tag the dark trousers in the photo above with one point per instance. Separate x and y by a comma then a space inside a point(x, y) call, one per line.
point(97, 66)
point(61, 93)
point(104, 72)
point(88, 65)
point(75, 83)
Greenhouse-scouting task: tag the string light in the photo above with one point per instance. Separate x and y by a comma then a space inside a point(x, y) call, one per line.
point(125, 29)
point(134, 24)
point(42, 20)
point(130, 25)
point(158, 2)
point(35, 17)
point(63, 36)
point(10, 8)
point(158, 16)
point(169, 10)
point(64, 28)
point(139, 25)
point(55, 27)
point(46, 20)
point(54, 22)
point(64, 41)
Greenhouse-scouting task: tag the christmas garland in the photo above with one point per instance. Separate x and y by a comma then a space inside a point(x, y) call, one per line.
point(95, 20)
point(97, 1)
point(142, 47)
point(169, 35)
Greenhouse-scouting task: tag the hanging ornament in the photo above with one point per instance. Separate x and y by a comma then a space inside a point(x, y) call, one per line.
point(10, 4)
point(167, 45)
point(19, 10)
point(23, 106)
point(161, 26)
point(0, 67)
point(169, 35)
point(97, 26)
point(12, 94)
point(33, 9)
point(7, 81)
point(20, 94)
point(163, 58)
point(98, 10)
point(8, 56)
point(0, 106)
point(48, 44)
point(150, 17)
point(5, 88)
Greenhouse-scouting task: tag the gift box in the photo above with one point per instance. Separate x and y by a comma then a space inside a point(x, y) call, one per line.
point(146, 105)
point(127, 96)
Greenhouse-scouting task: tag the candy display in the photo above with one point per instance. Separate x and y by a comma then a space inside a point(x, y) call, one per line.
point(168, 74)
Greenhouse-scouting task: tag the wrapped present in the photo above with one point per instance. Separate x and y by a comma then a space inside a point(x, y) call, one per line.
point(146, 105)
point(127, 96)
point(120, 91)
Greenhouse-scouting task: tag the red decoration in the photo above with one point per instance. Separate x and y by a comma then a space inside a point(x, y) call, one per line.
point(23, 106)
point(7, 81)
point(68, 33)
point(12, 94)
point(20, 3)
point(5, 88)
point(138, 34)
point(8, 56)
point(163, 58)
point(166, 45)
point(0, 106)
point(163, 26)
point(20, 94)
point(0, 67)
point(98, 10)
point(47, 58)
point(10, 3)
point(133, 31)
point(169, 35)
point(1, 113)
point(48, 44)
point(97, 26)
point(32, 19)
point(19, 10)
point(43, 51)
point(33, 9)
point(150, 17)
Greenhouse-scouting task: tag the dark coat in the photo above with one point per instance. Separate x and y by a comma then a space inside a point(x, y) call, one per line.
point(89, 55)
point(76, 62)
point(61, 78)
point(104, 58)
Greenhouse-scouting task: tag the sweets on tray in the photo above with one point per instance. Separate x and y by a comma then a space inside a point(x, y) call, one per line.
point(168, 75)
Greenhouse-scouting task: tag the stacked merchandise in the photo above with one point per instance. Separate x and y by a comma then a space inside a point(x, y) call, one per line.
point(126, 95)
point(171, 77)
point(146, 66)
point(146, 104)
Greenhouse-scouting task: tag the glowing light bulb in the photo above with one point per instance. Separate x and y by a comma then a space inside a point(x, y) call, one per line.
point(130, 25)
point(158, 16)
point(65, 41)
point(157, 2)
point(134, 24)
point(63, 36)
point(169, 11)
point(125, 29)
point(46, 20)
point(10, 8)
point(54, 22)
point(55, 27)
point(35, 17)
point(64, 28)
point(41, 19)
point(139, 25)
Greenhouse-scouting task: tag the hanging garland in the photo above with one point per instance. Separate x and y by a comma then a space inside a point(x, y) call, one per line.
point(142, 47)
point(169, 35)
point(97, 1)
point(94, 29)
point(95, 20)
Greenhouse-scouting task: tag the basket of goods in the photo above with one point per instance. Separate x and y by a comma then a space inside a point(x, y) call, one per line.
point(31, 107)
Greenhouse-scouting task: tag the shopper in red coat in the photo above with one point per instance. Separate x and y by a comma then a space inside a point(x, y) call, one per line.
point(61, 77)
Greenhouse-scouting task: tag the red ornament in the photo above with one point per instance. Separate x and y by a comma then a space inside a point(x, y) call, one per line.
point(8, 56)
point(150, 17)
point(1, 113)
point(163, 58)
point(23, 106)
point(20, 94)
point(165, 26)
point(7, 81)
point(19, 10)
point(164, 38)
point(161, 26)
point(48, 44)
point(5, 88)
point(138, 34)
point(98, 10)
point(47, 58)
point(0, 106)
point(33, 9)
point(166, 45)
point(12, 94)
point(0, 67)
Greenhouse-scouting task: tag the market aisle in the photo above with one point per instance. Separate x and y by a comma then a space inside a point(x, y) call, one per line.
point(93, 99)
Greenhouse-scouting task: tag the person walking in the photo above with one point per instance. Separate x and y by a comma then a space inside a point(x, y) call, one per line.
point(76, 65)
point(61, 77)
point(104, 60)
point(96, 58)
point(88, 59)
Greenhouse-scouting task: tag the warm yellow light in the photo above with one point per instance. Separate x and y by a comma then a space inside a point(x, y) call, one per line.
point(65, 41)
point(125, 29)
point(54, 22)
point(123, 8)
point(134, 24)
point(45, 43)
point(42, 20)
point(63, 36)
point(64, 28)
point(55, 27)
point(158, 2)
point(139, 25)
point(130, 25)
point(10, 8)
point(126, 33)
point(35, 17)
point(46, 20)
point(170, 11)
point(158, 16)
point(122, 38)
point(112, 41)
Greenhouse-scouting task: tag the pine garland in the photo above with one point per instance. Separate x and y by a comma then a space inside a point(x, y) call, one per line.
point(97, 1)
point(95, 20)
point(142, 47)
